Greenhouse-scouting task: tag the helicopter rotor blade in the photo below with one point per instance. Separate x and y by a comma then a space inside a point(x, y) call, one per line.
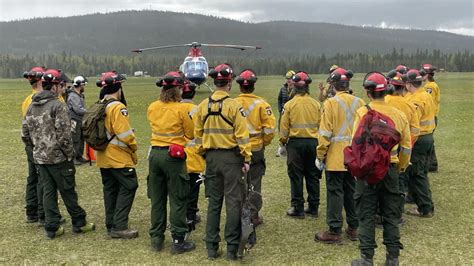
point(161, 47)
point(232, 46)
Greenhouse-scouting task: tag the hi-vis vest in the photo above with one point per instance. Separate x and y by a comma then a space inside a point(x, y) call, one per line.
point(335, 131)
point(118, 153)
point(260, 120)
point(425, 110)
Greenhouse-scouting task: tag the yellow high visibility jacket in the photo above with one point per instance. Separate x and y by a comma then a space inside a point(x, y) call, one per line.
point(121, 150)
point(409, 109)
point(335, 131)
point(194, 161)
point(170, 123)
point(212, 131)
point(432, 88)
point(402, 157)
point(26, 103)
point(425, 110)
point(261, 122)
point(300, 118)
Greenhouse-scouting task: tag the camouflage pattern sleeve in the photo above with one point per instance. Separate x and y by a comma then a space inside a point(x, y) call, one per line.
point(25, 133)
point(62, 124)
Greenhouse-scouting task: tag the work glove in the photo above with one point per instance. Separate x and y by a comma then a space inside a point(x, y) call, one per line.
point(282, 151)
point(319, 164)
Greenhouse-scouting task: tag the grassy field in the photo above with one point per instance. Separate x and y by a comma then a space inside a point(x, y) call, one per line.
point(445, 239)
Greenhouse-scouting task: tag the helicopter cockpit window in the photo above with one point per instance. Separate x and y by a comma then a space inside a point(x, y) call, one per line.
point(195, 66)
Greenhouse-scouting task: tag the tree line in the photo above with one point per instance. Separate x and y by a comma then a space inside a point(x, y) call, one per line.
point(13, 66)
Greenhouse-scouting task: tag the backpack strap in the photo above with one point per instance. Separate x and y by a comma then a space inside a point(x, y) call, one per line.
point(106, 104)
point(218, 112)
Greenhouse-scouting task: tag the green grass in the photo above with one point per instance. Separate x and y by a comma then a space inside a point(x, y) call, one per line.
point(446, 239)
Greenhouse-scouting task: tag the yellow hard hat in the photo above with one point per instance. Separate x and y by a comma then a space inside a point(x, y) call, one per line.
point(290, 74)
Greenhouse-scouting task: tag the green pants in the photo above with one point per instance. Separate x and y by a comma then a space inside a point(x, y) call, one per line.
point(119, 186)
point(256, 172)
point(418, 184)
point(34, 189)
point(386, 196)
point(193, 196)
point(224, 179)
point(340, 193)
point(300, 162)
point(433, 160)
point(60, 177)
point(167, 178)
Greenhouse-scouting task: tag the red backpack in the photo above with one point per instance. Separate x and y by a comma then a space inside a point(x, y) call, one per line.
point(368, 157)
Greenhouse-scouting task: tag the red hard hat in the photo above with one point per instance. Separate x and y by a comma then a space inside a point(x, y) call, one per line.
point(402, 69)
point(52, 76)
point(34, 74)
point(246, 77)
point(413, 75)
point(375, 81)
point(340, 74)
point(110, 78)
point(222, 72)
point(171, 79)
point(395, 78)
point(428, 68)
point(301, 78)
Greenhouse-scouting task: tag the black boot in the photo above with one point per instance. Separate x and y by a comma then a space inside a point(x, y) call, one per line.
point(180, 246)
point(363, 261)
point(391, 260)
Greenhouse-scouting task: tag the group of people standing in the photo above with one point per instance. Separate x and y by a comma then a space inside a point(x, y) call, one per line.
point(221, 141)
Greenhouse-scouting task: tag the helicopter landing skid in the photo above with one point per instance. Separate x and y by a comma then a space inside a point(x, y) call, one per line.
point(208, 87)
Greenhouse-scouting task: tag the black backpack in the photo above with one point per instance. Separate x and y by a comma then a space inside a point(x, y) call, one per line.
point(93, 126)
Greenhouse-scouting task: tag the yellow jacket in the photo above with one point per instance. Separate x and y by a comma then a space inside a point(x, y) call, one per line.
point(215, 132)
point(335, 131)
point(26, 103)
point(260, 120)
point(402, 157)
point(409, 109)
point(121, 150)
point(194, 161)
point(425, 110)
point(432, 88)
point(170, 123)
point(300, 118)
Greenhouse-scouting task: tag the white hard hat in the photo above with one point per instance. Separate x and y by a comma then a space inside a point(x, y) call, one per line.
point(79, 80)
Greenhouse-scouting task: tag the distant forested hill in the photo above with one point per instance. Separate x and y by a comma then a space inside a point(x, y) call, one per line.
point(118, 33)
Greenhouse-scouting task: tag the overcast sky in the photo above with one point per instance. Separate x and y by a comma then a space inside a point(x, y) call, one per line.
point(449, 15)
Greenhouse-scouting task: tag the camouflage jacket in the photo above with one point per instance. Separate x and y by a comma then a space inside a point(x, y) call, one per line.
point(47, 127)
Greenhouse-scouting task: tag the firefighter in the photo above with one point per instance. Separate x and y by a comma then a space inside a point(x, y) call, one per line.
point(261, 126)
point(77, 109)
point(396, 98)
point(384, 194)
point(418, 184)
point(432, 88)
point(117, 162)
point(329, 91)
point(171, 126)
point(47, 127)
point(194, 162)
point(222, 136)
point(34, 190)
point(298, 138)
point(335, 133)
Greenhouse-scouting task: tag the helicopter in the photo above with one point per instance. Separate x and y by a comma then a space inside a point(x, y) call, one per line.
point(194, 66)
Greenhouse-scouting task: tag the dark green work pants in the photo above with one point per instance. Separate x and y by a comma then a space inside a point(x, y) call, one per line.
point(193, 196)
point(300, 162)
point(78, 140)
point(340, 193)
point(119, 186)
point(224, 179)
point(418, 184)
point(60, 177)
point(34, 189)
point(167, 178)
point(384, 195)
point(256, 172)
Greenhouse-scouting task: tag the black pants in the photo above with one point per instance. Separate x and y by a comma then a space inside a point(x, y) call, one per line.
point(193, 196)
point(300, 161)
point(34, 189)
point(78, 139)
point(60, 177)
point(119, 186)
